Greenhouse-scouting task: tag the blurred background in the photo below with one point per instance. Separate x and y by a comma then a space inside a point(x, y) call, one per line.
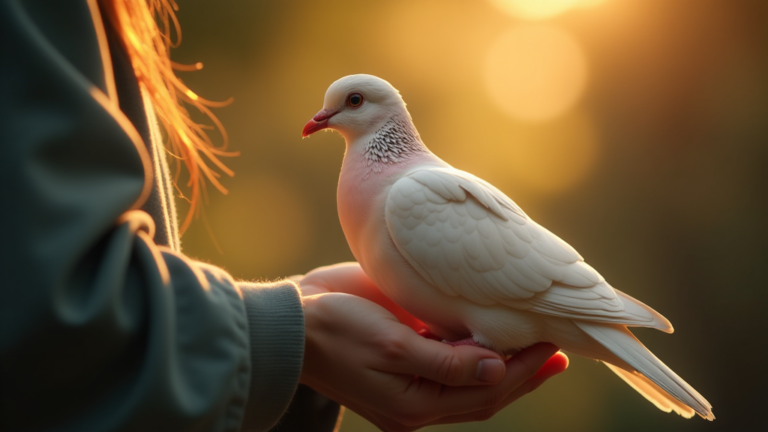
point(636, 130)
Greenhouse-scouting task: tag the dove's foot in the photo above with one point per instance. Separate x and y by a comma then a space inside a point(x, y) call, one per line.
point(429, 335)
point(467, 342)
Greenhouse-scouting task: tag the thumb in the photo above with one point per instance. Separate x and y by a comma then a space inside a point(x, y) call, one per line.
point(453, 366)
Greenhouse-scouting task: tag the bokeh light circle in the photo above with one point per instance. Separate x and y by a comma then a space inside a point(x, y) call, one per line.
point(534, 9)
point(535, 73)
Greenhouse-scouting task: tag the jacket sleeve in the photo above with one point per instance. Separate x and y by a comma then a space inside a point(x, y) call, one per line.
point(100, 329)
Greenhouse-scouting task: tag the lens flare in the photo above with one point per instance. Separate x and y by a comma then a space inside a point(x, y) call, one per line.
point(535, 73)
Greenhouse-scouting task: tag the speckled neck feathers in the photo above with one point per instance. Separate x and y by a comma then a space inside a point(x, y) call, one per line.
point(395, 142)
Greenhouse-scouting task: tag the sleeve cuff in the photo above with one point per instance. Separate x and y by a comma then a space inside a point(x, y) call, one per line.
point(276, 329)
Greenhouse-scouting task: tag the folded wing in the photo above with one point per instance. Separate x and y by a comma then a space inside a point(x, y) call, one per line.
point(469, 239)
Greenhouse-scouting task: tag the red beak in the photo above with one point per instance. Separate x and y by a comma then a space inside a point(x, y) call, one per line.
point(318, 122)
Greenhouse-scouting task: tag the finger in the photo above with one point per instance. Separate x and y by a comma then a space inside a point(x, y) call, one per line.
point(459, 400)
point(345, 277)
point(349, 277)
point(519, 369)
point(296, 278)
point(426, 401)
point(311, 289)
point(555, 365)
point(410, 354)
point(356, 282)
point(416, 416)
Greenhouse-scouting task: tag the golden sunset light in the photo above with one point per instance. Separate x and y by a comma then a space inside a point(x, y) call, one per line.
point(535, 73)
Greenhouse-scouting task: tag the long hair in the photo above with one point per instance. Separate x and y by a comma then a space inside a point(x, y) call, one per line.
point(147, 29)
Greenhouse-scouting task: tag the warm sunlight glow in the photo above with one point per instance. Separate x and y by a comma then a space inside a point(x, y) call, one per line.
point(550, 157)
point(535, 73)
point(590, 3)
point(261, 225)
point(541, 9)
point(534, 9)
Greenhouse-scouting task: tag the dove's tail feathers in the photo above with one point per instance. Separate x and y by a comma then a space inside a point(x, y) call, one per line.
point(663, 400)
point(634, 306)
point(659, 384)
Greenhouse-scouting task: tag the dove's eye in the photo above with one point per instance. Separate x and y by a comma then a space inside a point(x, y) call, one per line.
point(354, 100)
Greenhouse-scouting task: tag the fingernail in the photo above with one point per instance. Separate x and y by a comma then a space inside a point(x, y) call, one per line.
point(490, 370)
point(555, 365)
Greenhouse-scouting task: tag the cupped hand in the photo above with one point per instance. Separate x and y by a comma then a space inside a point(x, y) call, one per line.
point(359, 353)
point(348, 277)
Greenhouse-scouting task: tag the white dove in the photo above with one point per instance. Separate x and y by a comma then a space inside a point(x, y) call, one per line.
point(461, 256)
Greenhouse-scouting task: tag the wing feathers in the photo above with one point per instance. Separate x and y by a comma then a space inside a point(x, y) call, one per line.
point(582, 275)
point(640, 309)
point(552, 246)
point(469, 239)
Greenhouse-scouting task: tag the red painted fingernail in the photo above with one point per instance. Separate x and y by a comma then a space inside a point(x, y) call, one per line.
point(556, 364)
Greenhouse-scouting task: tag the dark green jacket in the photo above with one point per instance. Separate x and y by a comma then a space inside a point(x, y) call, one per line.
point(104, 323)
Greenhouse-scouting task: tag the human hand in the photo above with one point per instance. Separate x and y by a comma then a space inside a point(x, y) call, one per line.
point(348, 277)
point(360, 355)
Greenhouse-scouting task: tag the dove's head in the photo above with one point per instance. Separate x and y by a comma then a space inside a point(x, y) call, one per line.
point(357, 105)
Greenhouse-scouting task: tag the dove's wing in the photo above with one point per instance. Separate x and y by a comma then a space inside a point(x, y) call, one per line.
point(469, 239)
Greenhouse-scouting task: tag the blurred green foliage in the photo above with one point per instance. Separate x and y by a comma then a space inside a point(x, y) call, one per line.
point(673, 209)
